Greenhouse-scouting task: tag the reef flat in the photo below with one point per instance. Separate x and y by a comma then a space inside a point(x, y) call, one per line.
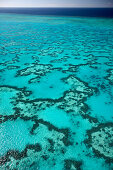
point(56, 93)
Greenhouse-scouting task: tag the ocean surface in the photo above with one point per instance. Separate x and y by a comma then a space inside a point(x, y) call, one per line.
point(56, 92)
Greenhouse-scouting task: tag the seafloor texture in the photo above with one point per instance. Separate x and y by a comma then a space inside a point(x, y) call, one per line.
point(56, 93)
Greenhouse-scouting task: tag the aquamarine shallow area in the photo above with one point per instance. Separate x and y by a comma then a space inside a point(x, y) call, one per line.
point(56, 93)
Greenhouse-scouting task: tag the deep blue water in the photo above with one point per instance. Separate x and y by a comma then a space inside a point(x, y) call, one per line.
point(89, 12)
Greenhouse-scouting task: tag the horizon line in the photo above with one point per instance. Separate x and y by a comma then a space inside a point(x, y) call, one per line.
point(55, 7)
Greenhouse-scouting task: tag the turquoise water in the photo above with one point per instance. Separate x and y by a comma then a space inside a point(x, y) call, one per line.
point(56, 93)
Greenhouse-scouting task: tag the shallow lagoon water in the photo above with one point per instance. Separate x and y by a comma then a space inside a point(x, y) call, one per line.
point(56, 93)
